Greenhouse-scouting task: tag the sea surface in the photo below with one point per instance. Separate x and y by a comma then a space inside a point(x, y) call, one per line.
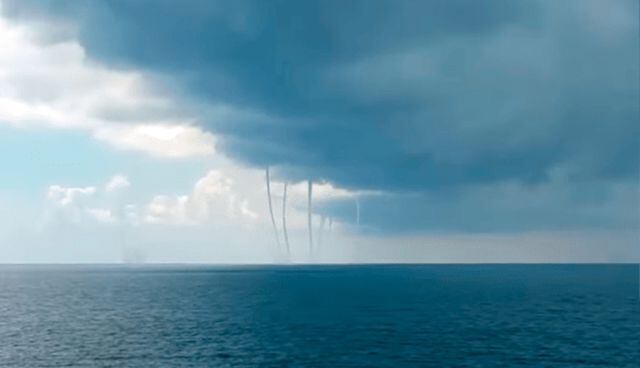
point(320, 316)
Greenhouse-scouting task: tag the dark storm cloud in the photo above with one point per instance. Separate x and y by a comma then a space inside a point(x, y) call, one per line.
point(403, 96)
point(555, 205)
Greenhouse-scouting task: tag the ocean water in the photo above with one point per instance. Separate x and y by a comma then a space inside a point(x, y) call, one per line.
point(320, 316)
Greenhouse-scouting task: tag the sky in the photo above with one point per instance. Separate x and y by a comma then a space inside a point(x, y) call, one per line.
point(433, 131)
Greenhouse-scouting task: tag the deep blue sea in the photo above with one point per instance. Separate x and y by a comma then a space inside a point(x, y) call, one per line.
point(320, 316)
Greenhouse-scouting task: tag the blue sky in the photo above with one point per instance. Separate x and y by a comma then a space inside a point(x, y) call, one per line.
point(467, 131)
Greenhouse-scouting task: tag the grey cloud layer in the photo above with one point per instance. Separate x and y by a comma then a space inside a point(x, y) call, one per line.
point(427, 97)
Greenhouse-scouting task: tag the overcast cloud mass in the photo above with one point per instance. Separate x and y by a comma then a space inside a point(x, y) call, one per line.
point(462, 117)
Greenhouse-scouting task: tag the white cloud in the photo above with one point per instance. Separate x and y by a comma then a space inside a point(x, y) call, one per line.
point(101, 215)
point(173, 141)
point(327, 191)
point(68, 196)
point(116, 183)
point(246, 211)
point(71, 203)
point(81, 204)
point(323, 191)
point(46, 83)
point(167, 210)
point(213, 199)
